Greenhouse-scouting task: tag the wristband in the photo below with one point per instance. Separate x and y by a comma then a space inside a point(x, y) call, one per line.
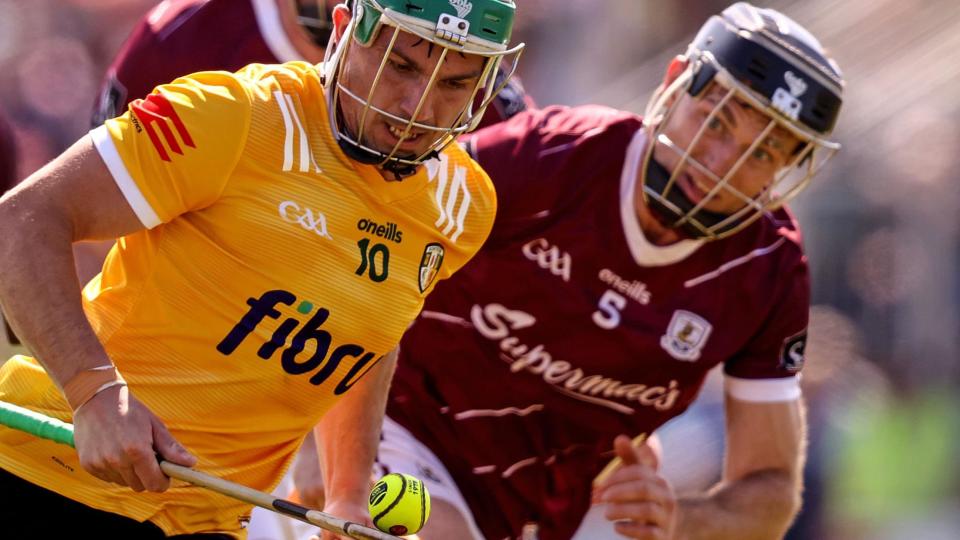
point(90, 382)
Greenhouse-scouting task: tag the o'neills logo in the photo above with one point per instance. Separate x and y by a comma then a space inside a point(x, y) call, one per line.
point(495, 322)
point(390, 231)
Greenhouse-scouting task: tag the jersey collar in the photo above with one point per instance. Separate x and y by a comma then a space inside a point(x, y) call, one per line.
point(644, 252)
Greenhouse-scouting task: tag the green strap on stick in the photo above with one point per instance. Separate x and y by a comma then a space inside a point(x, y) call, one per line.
point(45, 427)
point(35, 423)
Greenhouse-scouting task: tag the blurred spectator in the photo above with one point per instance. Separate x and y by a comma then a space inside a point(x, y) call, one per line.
point(175, 39)
point(8, 179)
point(8, 156)
point(894, 468)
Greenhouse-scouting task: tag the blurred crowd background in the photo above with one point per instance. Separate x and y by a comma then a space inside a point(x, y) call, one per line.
point(882, 223)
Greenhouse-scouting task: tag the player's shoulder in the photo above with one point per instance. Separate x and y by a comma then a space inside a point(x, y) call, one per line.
point(462, 180)
point(552, 134)
point(461, 167)
point(783, 224)
point(586, 118)
point(775, 239)
point(561, 121)
point(295, 77)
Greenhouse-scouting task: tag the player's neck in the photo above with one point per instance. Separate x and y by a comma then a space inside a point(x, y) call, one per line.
point(656, 232)
point(306, 48)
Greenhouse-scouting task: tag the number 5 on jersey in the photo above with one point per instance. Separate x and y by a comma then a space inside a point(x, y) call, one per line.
point(611, 304)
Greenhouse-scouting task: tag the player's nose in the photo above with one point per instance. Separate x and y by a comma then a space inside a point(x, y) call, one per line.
point(718, 157)
point(410, 101)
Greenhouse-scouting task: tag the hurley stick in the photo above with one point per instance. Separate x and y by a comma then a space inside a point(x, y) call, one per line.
point(617, 462)
point(55, 430)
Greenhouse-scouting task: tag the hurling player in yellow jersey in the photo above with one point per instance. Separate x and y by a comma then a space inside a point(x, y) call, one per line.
point(278, 230)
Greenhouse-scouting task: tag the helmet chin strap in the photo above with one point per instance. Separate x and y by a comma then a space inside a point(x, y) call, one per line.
point(656, 178)
point(362, 155)
point(400, 170)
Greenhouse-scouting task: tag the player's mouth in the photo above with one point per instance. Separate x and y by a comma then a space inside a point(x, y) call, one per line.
point(695, 191)
point(411, 142)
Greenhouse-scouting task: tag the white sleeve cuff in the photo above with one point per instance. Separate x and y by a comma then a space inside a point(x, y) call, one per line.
point(762, 390)
point(108, 151)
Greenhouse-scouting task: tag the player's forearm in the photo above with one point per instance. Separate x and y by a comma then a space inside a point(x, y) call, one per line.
point(39, 291)
point(758, 506)
point(348, 435)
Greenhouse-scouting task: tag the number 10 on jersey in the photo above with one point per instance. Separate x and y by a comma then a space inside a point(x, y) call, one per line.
point(374, 260)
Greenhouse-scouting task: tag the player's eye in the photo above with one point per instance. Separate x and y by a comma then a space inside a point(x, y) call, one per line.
point(715, 124)
point(454, 84)
point(761, 154)
point(400, 66)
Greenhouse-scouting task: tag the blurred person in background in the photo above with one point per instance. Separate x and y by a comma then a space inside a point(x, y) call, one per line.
point(8, 179)
point(8, 155)
point(228, 191)
point(629, 257)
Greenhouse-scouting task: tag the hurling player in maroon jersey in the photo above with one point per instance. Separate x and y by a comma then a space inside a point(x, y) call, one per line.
point(630, 256)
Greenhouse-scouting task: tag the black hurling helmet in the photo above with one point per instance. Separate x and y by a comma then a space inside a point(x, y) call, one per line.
point(768, 62)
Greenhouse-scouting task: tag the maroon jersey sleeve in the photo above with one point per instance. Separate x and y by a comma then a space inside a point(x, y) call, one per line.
point(539, 160)
point(777, 349)
point(8, 156)
point(176, 38)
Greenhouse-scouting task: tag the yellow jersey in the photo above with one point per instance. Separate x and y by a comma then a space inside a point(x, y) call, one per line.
point(272, 274)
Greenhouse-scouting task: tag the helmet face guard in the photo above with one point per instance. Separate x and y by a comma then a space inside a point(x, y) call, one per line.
point(739, 58)
point(480, 27)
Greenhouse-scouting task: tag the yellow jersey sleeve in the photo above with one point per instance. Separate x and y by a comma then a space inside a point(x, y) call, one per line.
point(173, 151)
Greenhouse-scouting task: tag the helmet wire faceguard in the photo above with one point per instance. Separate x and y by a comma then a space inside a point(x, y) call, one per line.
point(794, 92)
point(451, 34)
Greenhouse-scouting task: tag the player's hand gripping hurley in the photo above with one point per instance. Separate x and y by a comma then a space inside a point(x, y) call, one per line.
point(55, 430)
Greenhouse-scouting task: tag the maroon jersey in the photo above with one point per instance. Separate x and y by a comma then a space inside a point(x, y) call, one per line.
point(568, 328)
point(8, 156)
point(180, 37)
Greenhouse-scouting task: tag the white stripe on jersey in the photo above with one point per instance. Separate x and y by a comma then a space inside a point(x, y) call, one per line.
point(438, 169)
point(290, 117)
point(306, 158)
point(446, 317)
point(482, 413)
point(287, 131)
point(111, 157)
point(762, 390)
point(759, 252)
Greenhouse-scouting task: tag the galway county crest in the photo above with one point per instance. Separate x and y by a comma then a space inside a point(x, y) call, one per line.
point(686, 335)
point(430, 265)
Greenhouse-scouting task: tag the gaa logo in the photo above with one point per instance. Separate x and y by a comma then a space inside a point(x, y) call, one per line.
point(323, 360)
